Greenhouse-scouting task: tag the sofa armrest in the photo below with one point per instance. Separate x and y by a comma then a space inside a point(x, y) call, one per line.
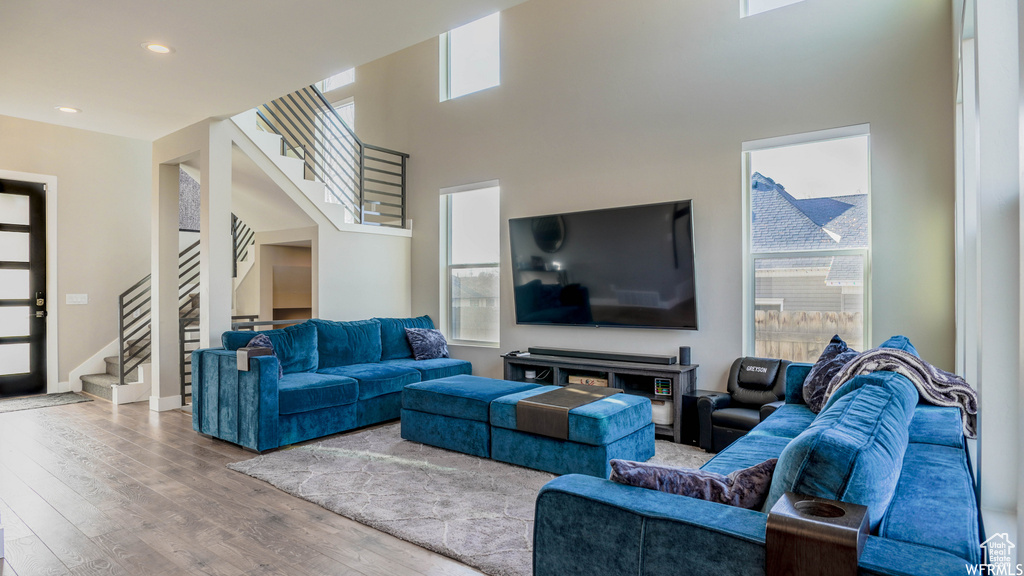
point(705, 406)
point(586, 525)
point(237, 406)
point(770, 408)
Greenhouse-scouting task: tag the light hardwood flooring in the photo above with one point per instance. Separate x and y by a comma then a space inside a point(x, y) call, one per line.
point(93, 488)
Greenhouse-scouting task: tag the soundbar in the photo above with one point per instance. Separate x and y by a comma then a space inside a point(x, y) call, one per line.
point(613, 356)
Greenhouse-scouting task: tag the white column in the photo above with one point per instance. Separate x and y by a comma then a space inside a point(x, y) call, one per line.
point(166, 394)
point(999, 242)
point(215, 243)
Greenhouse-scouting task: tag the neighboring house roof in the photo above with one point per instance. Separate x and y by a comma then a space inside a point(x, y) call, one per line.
point(783, 223)
point(482, 286)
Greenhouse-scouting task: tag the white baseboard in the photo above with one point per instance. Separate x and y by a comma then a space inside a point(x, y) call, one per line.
point(164, 404)
point(94, 365)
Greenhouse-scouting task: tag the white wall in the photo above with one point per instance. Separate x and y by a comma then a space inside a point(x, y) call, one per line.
point(361, 275)
point(103, 223)
point(605, 103)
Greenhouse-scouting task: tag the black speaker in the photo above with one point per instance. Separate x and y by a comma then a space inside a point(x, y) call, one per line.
point(684, 355)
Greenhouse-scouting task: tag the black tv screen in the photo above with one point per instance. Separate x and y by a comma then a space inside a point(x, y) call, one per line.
point(627, 267)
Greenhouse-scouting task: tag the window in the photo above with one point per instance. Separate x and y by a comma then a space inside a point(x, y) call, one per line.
point(336, 165)
point(807, 239)
point(470, 58)
point(473, 287)
point(338, 80)
point(751, 7)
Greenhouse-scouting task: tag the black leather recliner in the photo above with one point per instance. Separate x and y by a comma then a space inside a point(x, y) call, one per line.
point(756, 388)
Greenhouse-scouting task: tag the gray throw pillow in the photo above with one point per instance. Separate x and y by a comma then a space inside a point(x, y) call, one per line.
point(746, 488)
point(426, 343)
point(832, 359)
point(263, 341)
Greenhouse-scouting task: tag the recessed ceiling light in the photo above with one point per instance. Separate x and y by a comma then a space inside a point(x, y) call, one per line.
point(158, 48)
point(68, 109)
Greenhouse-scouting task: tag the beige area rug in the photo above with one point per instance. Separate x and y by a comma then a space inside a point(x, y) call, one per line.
point(41, 401)
point(475, 510)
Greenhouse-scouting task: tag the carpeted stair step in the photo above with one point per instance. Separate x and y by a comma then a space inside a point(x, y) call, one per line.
point(114, 369)
point(99, 385)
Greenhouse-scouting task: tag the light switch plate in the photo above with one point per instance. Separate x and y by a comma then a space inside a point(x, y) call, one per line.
point(76, 299)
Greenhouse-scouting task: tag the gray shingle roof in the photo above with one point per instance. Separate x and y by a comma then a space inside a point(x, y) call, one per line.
point(783, 223)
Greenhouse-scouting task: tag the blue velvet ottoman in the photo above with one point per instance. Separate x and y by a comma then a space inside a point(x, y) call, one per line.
point(618, 426)
point(454, 412)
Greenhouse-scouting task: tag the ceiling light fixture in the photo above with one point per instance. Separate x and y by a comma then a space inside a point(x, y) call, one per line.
point(158, 48)
point(68, 109)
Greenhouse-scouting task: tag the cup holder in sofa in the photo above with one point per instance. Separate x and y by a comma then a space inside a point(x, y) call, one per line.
point(819, 509)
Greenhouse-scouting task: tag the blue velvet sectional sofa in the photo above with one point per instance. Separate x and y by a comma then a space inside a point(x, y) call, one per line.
point(336, 376)
point(872, 444)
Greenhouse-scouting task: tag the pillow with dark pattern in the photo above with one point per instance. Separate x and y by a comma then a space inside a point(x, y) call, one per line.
point(426, 343)
point(263, 341)
point(832, 359)
point(746, 488)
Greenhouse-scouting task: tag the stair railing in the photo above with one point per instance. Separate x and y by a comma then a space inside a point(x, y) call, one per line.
point(242, 238)
point(368, 181)
point(134, 325)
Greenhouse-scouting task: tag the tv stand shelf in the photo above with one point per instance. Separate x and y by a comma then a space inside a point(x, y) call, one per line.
point(631, 377)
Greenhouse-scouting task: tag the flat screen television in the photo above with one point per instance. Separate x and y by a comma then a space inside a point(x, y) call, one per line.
point(626, 267)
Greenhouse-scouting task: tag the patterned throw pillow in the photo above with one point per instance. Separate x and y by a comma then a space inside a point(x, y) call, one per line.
point(746, 488)
point(263, 341)
point(426, 343)
point(832, 359)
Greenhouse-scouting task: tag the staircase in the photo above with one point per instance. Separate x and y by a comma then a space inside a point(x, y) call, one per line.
point(101, 385)
point(348, 180)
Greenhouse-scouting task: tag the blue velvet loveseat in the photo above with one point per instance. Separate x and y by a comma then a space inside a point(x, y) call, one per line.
point(333, 376)
point(873, 443)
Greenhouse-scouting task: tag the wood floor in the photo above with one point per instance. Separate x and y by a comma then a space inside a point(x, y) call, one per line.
point(93, 488)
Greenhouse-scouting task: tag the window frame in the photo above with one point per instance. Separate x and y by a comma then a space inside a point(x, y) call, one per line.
point(445, 61)
point(447, 268)
point(750, 257)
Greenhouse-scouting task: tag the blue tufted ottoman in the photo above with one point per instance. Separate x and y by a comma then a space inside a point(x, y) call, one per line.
point(618, 426)
point(454, 412)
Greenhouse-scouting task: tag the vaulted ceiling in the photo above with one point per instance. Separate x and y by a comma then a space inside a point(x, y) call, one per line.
point(229, 55)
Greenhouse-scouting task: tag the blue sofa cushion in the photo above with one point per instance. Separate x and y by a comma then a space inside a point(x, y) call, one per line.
point(788, 421)
point(835, 355)
point(347, 343)
point(853, 451)
point(376, 379)
point(466, 397)
point(744, 488)
point(934, 504)
point(436, 368)
point(938, 425)
point(900, 343)
point(746, 452)
point(306, 391)
point(795, 376)
point(294, 346)
point(392, 335)
point(597, 423)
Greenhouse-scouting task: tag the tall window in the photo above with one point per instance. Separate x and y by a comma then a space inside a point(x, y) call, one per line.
point(338, 80)
point(470, 58)
point(808, 243)
point(472, 263)
point(337, 157)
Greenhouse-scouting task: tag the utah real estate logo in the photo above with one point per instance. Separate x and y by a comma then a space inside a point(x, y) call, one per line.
point(998, 558)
